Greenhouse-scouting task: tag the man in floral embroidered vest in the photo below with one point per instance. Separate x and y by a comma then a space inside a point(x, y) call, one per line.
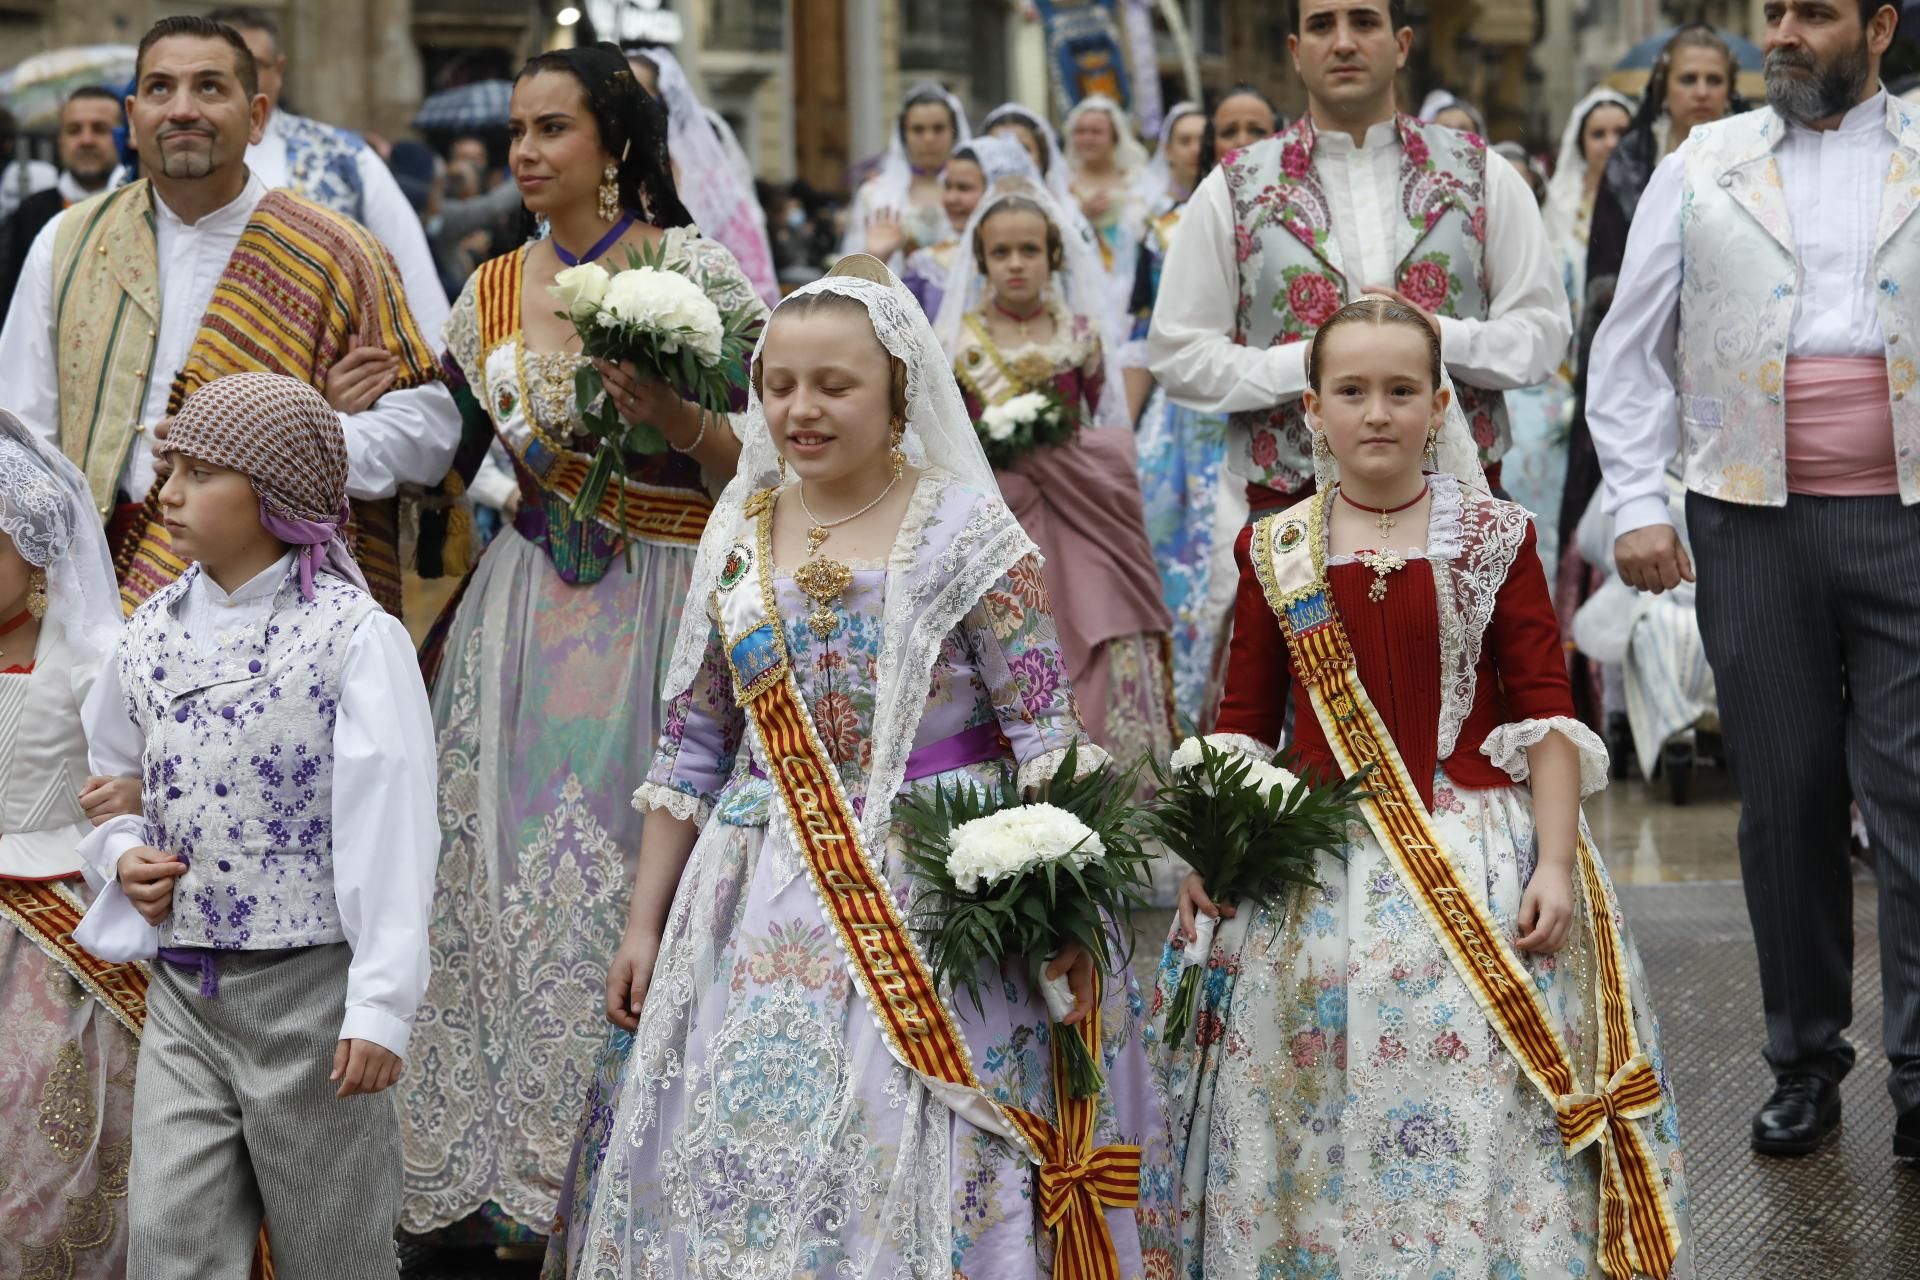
point(1783, 242)
point(1354, 198)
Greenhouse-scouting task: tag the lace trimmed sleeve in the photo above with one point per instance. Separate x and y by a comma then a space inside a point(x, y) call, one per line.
point(463, 334)
point(1507, 747)
point(699, 743)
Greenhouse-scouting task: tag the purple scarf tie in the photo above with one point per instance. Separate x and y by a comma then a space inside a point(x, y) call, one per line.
point(318, 544)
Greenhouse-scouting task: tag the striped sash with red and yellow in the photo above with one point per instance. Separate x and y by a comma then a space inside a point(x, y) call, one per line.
point(1638, 1231)
point(1077, 1182)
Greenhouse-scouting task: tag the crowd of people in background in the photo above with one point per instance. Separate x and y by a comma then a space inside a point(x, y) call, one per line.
point(1149, 432)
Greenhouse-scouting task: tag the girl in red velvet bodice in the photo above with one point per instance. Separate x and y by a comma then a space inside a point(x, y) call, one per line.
point(1337, 1052)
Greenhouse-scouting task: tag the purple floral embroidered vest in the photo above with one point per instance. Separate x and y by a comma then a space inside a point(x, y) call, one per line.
point(1290, 283)
point(239, 764)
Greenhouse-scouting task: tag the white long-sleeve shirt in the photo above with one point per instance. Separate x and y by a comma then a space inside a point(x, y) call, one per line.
point(386, 832)
point(1191, 346)
point(1832, 180)
point(385, 212)
point(407, 437)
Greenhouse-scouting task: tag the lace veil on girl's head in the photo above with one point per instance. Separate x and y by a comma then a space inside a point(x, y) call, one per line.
point(723, 205)
point(48, 512)
point(1078, 282)
point(1156, 182)
point(939, 434)
point(1129, 156)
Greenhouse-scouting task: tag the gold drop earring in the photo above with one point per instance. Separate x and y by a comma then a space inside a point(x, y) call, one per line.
point(610, 192)
point(898, 456)
point(37, 594)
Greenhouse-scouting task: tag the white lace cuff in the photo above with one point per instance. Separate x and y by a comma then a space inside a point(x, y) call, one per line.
point(1241, 744)
point(1132, 354)
point(1040, 770)
point(682, 805)
point(1507, 748)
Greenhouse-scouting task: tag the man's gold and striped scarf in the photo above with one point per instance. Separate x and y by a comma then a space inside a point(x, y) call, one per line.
point(303, 287)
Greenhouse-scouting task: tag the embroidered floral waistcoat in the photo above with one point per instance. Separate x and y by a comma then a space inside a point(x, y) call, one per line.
point(1291, 280)
point(239, 763)
point(1739, 284)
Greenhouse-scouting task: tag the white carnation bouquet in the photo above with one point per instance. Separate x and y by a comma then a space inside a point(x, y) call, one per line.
point(1251, 828)
point(663, 323)
point(1000, 878)
point(1026, 422)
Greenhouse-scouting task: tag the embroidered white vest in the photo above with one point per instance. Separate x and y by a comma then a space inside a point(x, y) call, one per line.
point(239, 764)
point(1740, 279)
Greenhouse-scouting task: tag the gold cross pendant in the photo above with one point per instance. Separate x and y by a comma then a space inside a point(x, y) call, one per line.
point(1385, 523)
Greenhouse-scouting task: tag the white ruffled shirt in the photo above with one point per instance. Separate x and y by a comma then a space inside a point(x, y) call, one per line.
point(386, 831)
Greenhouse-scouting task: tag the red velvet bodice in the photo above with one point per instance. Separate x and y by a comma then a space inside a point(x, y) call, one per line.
point(1396, 645)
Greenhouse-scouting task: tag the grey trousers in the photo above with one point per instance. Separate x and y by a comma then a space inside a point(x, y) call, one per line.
point(233, 1116)
point(1811, 618)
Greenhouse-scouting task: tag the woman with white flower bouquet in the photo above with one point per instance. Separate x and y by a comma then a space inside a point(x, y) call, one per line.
point(802, 1098)
point(1024, 315)
point(1436, 1056)
point(546, 700)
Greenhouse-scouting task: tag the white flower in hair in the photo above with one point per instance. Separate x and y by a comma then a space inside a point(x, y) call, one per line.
point(667, 304)
point(1002, 845)
point(581, 289)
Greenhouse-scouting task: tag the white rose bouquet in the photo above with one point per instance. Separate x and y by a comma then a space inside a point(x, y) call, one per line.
point(1026, 422)
point(668, 328)
point(1250, 828)
point(1001, 878)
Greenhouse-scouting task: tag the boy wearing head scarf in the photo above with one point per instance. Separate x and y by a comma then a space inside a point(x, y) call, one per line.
point(283, 868)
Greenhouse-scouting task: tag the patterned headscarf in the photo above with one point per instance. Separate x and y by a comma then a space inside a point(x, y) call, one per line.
point(283, 436)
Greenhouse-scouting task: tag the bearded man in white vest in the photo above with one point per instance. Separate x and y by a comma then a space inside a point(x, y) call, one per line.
point(1354, 198)
point(1783, 243)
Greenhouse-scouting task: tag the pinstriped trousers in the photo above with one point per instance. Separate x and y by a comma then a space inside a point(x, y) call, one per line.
point(1810, 614)
point(233, 1116)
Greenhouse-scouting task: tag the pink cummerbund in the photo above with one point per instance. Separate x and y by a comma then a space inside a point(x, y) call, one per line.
point(1839, 427)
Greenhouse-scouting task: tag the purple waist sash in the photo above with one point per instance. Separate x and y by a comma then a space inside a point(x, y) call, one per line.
point(196, 958)
point(977, 745)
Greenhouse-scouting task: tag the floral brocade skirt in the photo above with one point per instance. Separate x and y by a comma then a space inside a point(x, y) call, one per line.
point(547, 711)
point(1344, 1109)
point(66, 1122)
point(757, 1128)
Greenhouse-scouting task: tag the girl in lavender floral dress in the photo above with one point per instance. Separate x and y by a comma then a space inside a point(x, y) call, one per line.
point(761, 1127)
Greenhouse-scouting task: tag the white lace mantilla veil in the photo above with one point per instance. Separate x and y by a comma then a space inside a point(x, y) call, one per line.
point(1129, 155)
point(705, 175)
point(1080, 285)
point(1156, 183)
point(924, 601)
point(998, 158)
point(1058, 178)
point(892, 182)
point(48, 512)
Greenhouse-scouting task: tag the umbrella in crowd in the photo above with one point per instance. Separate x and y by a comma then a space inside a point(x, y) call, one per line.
point(35, 89)
point(1629, 75)
point(480, 105)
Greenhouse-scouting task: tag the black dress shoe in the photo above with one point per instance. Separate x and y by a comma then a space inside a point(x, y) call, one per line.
point(1798, 1117)
point(1906, 1136)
